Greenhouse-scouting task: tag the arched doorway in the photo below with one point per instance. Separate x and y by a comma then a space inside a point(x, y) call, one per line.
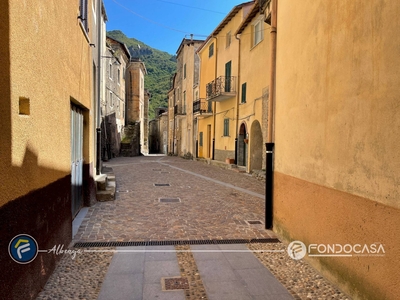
point(256, 146)
point(242, 146)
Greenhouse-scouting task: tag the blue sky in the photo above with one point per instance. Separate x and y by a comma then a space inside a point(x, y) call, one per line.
point(162, 24)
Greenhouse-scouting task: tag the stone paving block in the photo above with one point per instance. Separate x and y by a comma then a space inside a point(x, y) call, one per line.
point(215, 270)
point(127, 263)
point(215, 255)
point(261, 282)
point(160, 256)
point(229, 290)
point(153, 291)
point(122, 287)
point(155, 270)
point(240, 261)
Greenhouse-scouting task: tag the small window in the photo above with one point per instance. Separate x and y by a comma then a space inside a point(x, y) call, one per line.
point(226, 127)
point(119, 75)
point(228, 39)
point(111, 100)
point(211, 50)
point(244, 87)
point(110, 71)
point(258, 34)
point(184, 71)
point(184, 102)
point(201, 139)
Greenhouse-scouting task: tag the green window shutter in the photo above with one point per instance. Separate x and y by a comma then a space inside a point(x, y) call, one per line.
point(226, 127)
point(244, 87)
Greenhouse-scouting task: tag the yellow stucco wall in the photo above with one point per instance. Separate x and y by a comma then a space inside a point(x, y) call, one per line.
point(50, 64)
point(207, 74)
point(227, 108)
point(254, 71)
point(337, 96)
point(337, 132)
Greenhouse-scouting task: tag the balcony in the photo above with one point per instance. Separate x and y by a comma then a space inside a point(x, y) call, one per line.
point(179, 110)
point(221, 88)
point(202, 107)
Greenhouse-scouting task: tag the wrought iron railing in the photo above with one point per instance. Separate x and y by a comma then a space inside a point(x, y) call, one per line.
point(220, 86)
point(202, 106)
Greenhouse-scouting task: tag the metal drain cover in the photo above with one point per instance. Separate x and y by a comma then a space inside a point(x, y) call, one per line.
point(254, 222)
point(157, 170)
point(161, 184)
point(169, 200)
point(174, 283)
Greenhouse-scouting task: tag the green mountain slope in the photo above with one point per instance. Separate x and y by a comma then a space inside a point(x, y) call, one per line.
point(160, 67)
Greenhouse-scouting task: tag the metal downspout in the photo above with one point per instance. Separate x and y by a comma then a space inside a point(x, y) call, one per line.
point(237, 101)
point(215, 103)
point(98, 87)
point(270, 140)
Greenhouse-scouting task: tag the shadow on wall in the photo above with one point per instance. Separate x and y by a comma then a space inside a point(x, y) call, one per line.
point(44, 213)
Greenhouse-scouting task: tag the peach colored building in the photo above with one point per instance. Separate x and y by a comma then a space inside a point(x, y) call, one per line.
point(49, 87)
point(336, 129)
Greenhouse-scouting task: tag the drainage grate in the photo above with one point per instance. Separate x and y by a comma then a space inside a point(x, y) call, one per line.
point(174, 243)
point(174, 283)
point(157, 170)
point(169, 200)
point(254, 222)
point(161, 184)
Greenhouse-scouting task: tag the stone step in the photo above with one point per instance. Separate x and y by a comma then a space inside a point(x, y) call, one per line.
point(101, 182)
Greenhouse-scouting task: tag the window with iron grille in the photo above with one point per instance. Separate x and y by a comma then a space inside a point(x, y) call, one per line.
point(226, 127)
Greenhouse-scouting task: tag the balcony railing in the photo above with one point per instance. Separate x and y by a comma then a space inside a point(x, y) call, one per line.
point(221, 88)
point(201, 106)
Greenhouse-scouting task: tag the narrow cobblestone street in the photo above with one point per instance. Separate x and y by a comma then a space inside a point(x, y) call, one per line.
point(214, 204)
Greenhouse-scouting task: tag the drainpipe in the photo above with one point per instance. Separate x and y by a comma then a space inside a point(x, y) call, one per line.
point(237, 101)
point(98, 88)
point(270, 140)
point(215, 103)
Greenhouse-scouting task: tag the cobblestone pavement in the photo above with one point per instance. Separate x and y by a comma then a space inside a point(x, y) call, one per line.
point(209, 209)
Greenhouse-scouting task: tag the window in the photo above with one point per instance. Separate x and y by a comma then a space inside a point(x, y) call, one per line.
point(83, 13)
point(110, 71)
point(244, 86)
point(211, 50)
point(184, 102)
point(226, 127)
point(258, 33)
point(111, 100)
point(201, 139)
point(119, 75)
point(184, 71)
point(228, 39)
